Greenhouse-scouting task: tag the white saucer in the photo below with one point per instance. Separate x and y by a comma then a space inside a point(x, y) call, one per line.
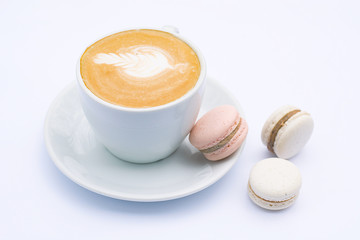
point(76, 152)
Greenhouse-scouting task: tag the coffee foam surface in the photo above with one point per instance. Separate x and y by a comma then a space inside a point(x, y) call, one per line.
point(140, 68)
point(139, 61)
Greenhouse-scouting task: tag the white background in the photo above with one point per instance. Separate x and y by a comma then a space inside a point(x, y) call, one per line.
point(267, 53)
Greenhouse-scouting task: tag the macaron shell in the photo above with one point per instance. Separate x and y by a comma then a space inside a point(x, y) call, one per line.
point(272, 120)
point(275, 179)
point(233, 144)
point(294, 135)
point(214, 126)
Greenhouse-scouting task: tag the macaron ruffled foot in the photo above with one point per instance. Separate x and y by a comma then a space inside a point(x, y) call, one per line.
point(219, 133)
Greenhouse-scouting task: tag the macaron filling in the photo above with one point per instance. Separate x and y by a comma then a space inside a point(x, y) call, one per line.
point(223, 142)
point(269, 201)
point(277, 127)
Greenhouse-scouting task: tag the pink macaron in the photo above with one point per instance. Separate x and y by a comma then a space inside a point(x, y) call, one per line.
point(219, 133)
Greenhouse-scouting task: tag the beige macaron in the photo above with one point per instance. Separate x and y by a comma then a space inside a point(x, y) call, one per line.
point(287, 131)
point(274, 183)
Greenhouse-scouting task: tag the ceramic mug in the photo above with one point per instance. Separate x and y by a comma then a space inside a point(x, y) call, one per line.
point(144, 135)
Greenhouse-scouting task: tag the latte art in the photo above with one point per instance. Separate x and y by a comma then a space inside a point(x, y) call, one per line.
point(140, 68)
point(139, 61)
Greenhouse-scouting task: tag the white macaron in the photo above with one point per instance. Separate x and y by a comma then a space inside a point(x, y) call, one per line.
point(274, 183)
point(287, 131)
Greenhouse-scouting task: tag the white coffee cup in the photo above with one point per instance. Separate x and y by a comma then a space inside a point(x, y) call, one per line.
point(144, 135)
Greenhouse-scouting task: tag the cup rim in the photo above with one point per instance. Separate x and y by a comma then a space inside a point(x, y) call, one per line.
point(187, 95)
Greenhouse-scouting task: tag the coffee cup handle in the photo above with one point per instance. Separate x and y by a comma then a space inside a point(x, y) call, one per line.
point(170, 29)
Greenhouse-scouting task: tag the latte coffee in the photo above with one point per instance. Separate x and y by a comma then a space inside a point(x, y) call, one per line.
point(139, 68)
